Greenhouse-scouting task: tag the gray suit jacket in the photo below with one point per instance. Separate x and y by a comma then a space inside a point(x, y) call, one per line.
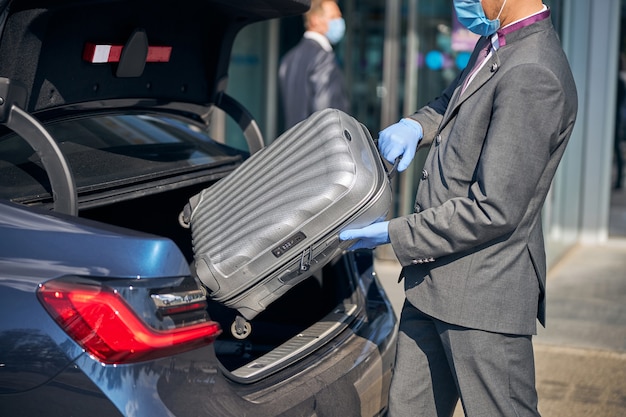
point(473, 251)
point(310, 80)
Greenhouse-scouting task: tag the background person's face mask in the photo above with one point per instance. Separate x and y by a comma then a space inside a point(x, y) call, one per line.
point(336, 30)
point(472, 15)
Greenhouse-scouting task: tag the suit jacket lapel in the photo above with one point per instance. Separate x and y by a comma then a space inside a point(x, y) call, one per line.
point(492, 64)
point(486, 72)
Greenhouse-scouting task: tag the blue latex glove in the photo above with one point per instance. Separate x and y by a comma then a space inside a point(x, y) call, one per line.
point(368, 237)
point(400, 139)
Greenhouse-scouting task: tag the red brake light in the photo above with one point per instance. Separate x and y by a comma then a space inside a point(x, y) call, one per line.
point(101, 321)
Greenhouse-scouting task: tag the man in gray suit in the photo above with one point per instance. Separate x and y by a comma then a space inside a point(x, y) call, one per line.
point(309, 75)
point(473, 256)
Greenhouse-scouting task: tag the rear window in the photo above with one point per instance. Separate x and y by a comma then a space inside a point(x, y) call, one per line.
point(109, 151)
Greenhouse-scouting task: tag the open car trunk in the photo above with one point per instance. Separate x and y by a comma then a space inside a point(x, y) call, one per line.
point(304, 319)
point(137, 171)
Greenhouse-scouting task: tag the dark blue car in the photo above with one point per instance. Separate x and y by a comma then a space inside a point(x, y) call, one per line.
point(104, 112)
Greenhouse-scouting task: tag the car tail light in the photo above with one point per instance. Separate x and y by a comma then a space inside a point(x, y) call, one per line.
point(99, 318)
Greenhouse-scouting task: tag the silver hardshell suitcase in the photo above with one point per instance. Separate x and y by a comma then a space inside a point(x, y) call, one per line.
point(275, 220)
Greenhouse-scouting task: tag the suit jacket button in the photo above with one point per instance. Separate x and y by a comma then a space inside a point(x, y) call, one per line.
point(438, 139)
point(424, 174)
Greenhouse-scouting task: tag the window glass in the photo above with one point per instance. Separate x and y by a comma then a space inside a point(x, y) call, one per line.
point(109, 151)
point(247, 75)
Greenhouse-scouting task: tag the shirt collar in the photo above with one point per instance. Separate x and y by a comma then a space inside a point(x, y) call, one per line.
point(319, 38)
point(498, 39)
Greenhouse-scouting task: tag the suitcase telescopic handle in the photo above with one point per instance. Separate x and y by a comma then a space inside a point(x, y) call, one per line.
point(393, 170)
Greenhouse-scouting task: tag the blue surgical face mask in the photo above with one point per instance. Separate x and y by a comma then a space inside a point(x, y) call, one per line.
point(472, 15)
point(336, 30)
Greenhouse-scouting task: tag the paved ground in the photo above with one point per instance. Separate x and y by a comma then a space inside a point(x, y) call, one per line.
point(581, 357)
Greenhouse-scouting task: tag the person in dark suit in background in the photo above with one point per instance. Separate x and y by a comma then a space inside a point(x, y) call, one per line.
point(472, 252)
point(309, 76)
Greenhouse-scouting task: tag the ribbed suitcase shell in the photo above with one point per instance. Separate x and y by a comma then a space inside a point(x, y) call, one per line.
point(275, 220)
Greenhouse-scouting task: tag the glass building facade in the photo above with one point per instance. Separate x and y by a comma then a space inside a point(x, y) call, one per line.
point(399, 54)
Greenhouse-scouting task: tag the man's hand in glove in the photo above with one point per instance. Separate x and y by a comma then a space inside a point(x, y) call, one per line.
point(400, 139)
point(368, 237)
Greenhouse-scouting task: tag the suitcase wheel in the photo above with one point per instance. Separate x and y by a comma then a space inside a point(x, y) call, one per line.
point(240, 328)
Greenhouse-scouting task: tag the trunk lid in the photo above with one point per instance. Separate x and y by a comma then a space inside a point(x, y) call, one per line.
point(93, 54)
